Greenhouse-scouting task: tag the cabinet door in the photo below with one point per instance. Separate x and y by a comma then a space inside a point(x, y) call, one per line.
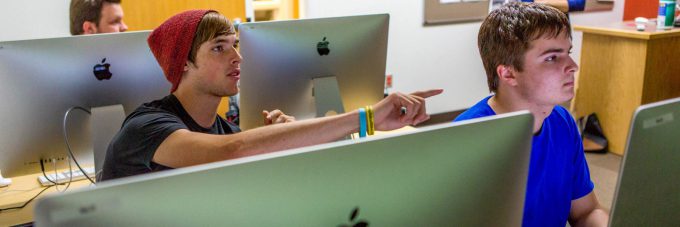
point(267, 10)
point(148, 14)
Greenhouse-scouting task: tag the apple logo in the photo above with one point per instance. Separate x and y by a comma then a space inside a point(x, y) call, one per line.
point(101, 71)
point(322, 47)
point(359, 223)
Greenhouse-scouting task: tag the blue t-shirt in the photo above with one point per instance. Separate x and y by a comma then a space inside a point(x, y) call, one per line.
point(558, 172)
point(574, 5)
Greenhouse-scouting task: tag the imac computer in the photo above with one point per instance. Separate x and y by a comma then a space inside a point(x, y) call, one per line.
point(43, 78)
point(308, 68)
point(648, 190)
point(441, 175)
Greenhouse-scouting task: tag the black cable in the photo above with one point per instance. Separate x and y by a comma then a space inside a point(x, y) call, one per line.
point(69, 146)
point(27, 202)
point(42, 168)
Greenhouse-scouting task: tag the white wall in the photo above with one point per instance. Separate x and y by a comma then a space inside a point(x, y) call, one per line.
point(443, 56)
point(33, 19)
point(250, 10)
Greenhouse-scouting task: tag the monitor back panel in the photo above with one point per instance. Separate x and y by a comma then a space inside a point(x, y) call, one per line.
point(43, 78)
point(282, 57)
point(648, 190)
point(445, 175)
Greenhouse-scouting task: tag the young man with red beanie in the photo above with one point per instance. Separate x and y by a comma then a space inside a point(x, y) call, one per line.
point(196, 50)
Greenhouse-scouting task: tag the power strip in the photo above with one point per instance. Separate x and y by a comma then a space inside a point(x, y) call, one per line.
point(63, 177)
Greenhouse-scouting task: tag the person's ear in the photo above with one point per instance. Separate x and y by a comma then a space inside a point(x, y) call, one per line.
point(188, 64)
point(506, 75)
point(89, 28)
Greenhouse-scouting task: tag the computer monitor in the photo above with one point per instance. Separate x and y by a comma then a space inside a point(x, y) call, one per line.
point(459, 174)
point(648, 190)
point(41, 79)
point(310, 67)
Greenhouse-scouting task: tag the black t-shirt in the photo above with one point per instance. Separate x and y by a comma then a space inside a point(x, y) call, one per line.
point(131, 150)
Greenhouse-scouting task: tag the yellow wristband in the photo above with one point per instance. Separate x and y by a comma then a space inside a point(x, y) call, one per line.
point(370, 120)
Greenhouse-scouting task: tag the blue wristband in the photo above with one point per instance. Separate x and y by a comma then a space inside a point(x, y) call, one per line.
point(362, 122)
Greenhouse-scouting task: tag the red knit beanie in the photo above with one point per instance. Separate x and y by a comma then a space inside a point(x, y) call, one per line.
point(171, 42)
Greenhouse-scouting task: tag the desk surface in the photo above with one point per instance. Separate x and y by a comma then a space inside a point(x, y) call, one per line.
point(627, 29)
point(21, 190)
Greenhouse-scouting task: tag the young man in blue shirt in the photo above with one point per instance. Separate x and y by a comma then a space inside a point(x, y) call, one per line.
point(525, 49)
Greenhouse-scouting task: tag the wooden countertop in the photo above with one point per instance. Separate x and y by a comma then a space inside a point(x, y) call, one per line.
point(627, 29)
point(21, 190)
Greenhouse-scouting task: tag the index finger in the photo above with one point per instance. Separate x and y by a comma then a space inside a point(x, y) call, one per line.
point(428, 93)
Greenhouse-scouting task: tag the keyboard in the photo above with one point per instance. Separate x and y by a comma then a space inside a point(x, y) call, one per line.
point(63, 177)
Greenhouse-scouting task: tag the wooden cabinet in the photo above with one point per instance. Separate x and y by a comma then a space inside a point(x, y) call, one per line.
point(266, 10)
point(148, 14)
point(622, 69)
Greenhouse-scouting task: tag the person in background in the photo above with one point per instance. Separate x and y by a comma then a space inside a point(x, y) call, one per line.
point(563, 5)
point(96, 16)
point(525, 50)
point(197, 51)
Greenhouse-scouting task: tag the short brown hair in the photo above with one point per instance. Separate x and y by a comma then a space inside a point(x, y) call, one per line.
point(211, 26)
point(86, 10)
point(506, 34)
